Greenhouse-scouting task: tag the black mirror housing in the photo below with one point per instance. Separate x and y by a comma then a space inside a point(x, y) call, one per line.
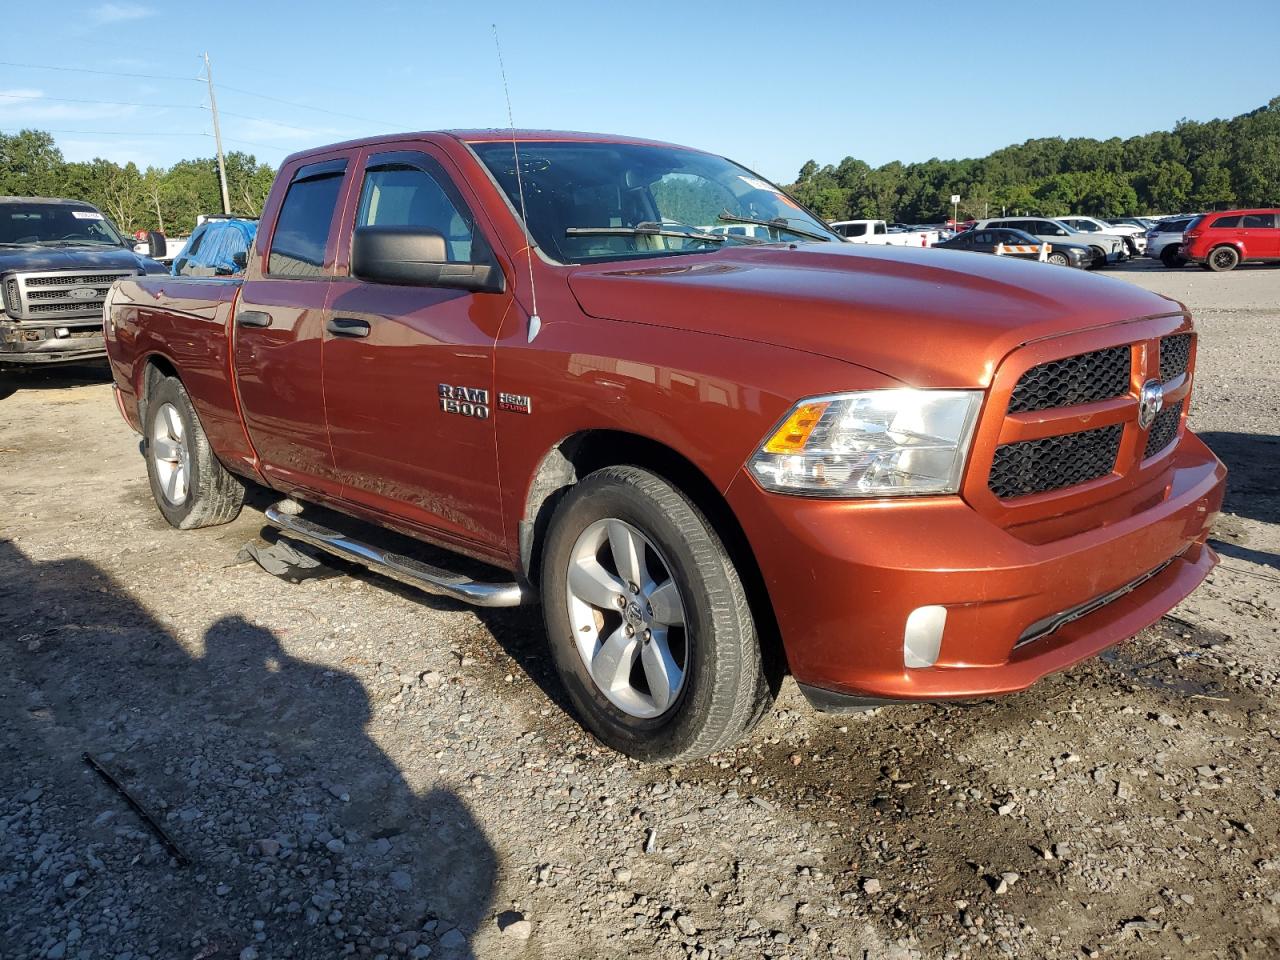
point(415, 256)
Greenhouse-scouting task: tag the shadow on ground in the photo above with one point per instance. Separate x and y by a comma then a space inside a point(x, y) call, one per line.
point(56, 377)
point(1253, 488)
point(306, 838)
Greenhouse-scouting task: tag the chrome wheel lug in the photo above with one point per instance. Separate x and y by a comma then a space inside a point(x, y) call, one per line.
point(634, 588)
point(630, 630)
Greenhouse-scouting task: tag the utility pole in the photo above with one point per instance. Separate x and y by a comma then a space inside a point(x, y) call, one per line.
point(217, 136)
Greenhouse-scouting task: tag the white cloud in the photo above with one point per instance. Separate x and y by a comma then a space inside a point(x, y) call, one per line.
point(120, 150)
point(119, 12)
point(23, 105)
point(274, 130)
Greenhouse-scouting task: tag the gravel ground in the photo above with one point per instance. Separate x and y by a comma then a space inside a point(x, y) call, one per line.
point(356, 770)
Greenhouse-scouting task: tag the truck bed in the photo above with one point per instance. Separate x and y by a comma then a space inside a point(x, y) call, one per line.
point(185, 323)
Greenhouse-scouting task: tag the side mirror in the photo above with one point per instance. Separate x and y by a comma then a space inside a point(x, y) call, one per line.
point(415, 256)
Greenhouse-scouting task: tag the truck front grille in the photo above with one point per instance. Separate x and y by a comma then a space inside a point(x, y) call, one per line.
point(1084, 378)
point(1163, 430)
point(58, 295)
point(1175, 355)
point(1071, 457)
point(1038, 466)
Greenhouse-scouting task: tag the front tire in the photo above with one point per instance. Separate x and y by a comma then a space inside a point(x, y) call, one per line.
point(1059, 259)
point(648, 620)
point(1099, 258)
point(1223, 259)
point(191, 488)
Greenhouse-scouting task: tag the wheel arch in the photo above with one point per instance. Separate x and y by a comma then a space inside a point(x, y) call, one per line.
point(153, 368)
point(584, 452)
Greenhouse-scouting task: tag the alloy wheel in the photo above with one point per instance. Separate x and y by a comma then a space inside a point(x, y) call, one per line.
point(170, 454)
point(628, 618)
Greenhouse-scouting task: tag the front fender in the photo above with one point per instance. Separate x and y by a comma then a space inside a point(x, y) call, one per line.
point(708, 398)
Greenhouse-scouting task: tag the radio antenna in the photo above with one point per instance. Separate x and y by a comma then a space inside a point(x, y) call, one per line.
point(535, 322)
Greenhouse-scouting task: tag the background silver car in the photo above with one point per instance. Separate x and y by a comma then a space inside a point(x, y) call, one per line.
point(1107, 248)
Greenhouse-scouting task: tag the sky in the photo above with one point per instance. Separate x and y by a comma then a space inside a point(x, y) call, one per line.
point(770, 85)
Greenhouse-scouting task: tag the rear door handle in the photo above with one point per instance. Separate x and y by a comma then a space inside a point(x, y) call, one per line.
point(253, 318)
point(348, 327)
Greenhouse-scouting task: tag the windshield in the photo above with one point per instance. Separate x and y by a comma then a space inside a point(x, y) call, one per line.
point(589, 202)
point(55, 224)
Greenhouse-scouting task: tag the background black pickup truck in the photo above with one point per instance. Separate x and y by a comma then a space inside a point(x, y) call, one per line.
point(58, 259)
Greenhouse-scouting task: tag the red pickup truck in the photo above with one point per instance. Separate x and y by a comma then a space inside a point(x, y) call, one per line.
point(898, 474)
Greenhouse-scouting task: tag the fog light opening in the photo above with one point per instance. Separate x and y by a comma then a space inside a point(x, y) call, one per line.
point(61, 333)
point(922, 639)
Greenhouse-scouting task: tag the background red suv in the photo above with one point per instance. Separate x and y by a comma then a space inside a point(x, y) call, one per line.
point(1220, 241)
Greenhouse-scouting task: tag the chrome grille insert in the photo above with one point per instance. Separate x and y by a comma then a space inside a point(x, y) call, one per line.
point(67, 294)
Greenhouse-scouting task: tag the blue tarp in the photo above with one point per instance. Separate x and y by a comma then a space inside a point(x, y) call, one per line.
point(213, 247)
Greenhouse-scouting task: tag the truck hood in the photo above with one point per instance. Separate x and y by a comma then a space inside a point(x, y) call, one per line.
point(929, 318)
point(33, 256)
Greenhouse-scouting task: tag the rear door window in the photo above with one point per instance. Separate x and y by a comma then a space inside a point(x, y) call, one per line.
point(302, 228)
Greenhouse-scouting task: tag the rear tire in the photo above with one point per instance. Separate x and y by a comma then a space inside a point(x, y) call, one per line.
point(191, 488)
point(1171, 257)
point(1223, 259)
point(613, 647)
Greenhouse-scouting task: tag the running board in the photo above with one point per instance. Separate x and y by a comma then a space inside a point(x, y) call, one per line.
point(414, 573)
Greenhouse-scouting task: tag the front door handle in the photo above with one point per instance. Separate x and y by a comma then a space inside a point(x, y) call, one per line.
point(253, 318)
point(348, 327)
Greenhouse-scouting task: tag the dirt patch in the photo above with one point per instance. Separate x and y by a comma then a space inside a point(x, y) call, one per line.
point(356, 770)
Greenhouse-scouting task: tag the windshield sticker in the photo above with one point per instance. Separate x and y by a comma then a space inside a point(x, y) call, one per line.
point(86, 214)
point(755, 184)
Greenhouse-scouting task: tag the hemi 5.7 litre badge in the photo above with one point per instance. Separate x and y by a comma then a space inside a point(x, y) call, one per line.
point(464, 401)
point(515, 402)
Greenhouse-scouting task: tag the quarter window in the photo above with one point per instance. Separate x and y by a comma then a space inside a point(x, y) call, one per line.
point(1223, 222)
point(302, 229)
point(404, 196)
point(1259, 221)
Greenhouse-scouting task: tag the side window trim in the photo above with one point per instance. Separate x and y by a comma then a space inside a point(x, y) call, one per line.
point(341, 165)
point(482, 248)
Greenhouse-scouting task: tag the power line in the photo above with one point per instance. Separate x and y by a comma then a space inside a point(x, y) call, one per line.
point(100, 133)
point(156, 76)
point(305, 106)
point(101, 73)
point(159, 106)
point(36, 98)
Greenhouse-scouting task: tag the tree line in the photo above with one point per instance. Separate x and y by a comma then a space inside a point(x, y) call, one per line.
point(31, 165)
point(1196, 166)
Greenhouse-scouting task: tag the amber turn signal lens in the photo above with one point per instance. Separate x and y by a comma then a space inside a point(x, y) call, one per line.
point(792, 436)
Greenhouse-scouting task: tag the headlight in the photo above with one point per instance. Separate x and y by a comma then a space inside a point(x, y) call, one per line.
point(875, 443)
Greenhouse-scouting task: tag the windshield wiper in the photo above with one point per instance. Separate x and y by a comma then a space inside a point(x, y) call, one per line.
point(644, 229)
point(777, 223)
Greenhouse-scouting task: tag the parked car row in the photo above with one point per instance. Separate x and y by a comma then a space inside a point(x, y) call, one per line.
point(1017, 243)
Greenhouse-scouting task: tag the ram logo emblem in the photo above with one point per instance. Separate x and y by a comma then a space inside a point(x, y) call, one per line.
point(464, 401)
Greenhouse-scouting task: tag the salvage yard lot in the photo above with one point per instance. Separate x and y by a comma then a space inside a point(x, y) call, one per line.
point(355, 769)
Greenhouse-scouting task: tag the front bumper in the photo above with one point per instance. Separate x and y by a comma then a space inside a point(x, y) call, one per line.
point(32, 344)
point(844, 576)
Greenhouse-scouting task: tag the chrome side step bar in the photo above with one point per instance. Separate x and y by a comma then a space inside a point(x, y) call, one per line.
point(425, 577)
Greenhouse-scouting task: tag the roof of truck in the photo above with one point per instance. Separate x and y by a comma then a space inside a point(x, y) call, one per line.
point(488, 136)
point(82, 203)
